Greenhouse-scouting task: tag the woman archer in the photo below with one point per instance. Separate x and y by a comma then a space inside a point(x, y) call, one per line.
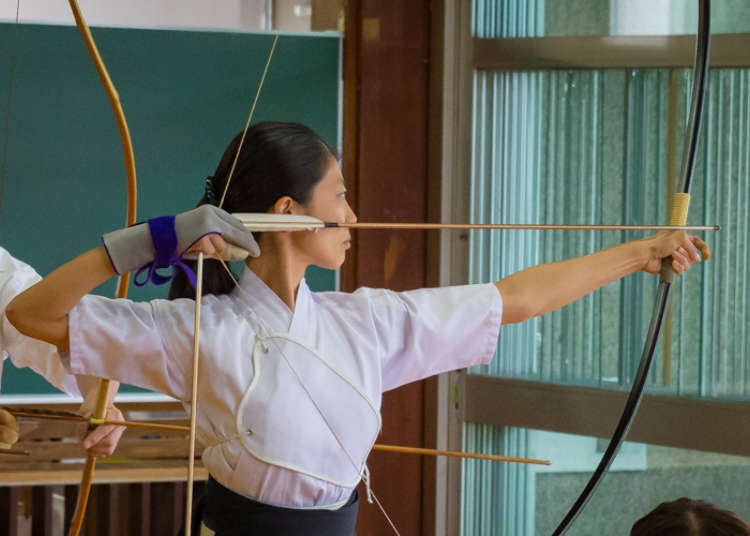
point(286, 368)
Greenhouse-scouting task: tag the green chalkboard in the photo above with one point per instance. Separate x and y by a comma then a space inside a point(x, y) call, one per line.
point(185, 95)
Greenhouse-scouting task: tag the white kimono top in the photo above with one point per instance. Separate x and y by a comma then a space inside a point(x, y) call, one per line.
point(15, 277)
point(288, 401)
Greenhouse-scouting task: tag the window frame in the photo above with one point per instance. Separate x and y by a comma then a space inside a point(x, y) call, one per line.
point(468, 398)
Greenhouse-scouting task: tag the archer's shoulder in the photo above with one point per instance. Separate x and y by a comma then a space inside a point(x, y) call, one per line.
point(411, 300)
point(157, 312)
point(358, 298)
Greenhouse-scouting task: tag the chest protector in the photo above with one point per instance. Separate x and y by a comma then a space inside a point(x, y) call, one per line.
point(301, 412)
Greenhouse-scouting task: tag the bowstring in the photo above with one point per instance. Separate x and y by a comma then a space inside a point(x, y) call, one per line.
point(249, 119)
point(11, 77)
point(336, 436)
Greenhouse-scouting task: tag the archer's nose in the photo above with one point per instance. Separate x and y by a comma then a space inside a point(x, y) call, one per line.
point(351, 217)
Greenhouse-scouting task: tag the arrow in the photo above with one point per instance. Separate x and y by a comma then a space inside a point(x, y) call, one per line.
point(288, 222)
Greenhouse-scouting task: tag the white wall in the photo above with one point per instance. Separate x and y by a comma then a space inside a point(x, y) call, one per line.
point(219, 14)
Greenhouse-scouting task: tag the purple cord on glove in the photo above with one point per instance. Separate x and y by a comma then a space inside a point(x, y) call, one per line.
point(164, 237)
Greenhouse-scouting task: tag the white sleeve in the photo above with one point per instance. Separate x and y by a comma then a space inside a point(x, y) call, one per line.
point(42, 357)
point(429, 331)
point(127, 341)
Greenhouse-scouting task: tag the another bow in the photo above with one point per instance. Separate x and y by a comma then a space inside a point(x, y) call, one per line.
point(122, 284)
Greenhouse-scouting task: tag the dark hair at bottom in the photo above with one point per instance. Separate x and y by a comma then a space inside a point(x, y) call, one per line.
point(688, 517)
point(216, 280)
point(277, 159)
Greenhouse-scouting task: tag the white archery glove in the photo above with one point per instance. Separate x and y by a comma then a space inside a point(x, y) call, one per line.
point(164, 241)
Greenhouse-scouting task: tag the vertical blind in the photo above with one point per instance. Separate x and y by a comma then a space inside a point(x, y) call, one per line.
point(605, 147)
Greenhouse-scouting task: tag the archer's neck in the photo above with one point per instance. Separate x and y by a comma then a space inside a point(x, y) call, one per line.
point(279, 268)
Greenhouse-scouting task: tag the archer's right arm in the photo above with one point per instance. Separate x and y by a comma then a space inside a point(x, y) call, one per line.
point(42, 310)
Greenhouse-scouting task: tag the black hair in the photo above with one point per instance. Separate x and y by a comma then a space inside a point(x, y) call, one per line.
point(689, 517)
point(277, 159)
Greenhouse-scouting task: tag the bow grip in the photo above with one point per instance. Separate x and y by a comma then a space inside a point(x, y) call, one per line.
point(680, 205)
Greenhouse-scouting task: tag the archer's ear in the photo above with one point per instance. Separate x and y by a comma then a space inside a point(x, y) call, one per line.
point(284, 205)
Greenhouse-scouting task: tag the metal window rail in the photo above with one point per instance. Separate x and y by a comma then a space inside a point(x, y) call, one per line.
point(605, 52)
point(663, 420)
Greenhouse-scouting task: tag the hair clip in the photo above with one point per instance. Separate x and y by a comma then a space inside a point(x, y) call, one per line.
point(211, 192)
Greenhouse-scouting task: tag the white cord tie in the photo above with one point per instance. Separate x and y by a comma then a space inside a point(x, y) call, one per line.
point(366, 477)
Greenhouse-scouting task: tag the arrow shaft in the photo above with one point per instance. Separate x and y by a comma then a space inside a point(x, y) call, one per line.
point(40, 414)
point(455, 454)
point(521, 226)
point(261, 225)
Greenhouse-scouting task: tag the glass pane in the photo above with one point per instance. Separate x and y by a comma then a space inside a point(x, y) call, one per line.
point(605, 147)
point(549, 18)
point(518, 500)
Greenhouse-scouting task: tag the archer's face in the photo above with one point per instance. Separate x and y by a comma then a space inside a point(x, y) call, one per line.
point(327, 247)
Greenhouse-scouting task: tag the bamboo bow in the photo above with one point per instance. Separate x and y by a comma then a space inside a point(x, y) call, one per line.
point(122, 284)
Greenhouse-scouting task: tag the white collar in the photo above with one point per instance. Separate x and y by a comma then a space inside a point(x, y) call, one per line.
point(272, 311)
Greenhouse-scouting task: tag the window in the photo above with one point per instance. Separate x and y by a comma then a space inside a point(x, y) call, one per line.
point(569, 125)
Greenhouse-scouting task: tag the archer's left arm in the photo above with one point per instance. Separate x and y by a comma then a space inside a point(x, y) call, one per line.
point(544, 288)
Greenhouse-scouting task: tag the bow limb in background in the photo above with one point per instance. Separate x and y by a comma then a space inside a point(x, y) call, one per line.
point(105, 386)
point(678, 217)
